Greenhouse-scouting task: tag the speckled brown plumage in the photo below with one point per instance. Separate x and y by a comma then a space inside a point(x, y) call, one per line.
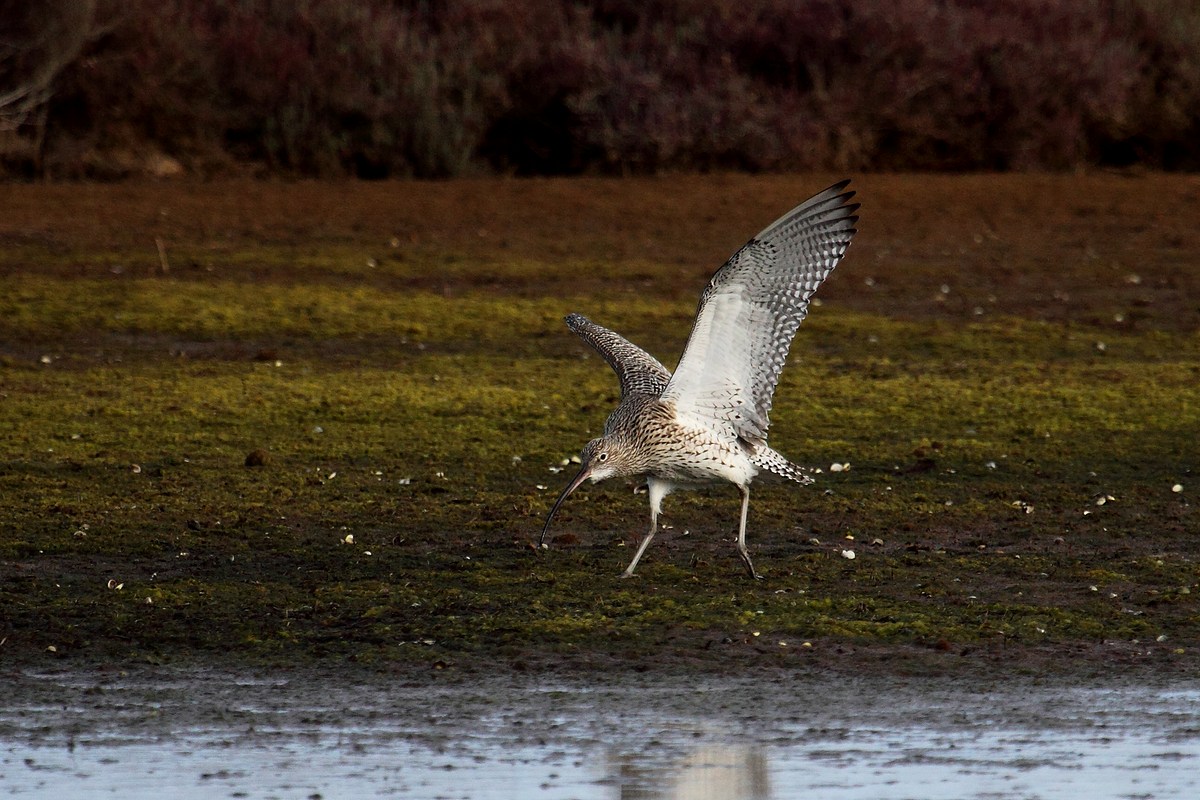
point(708, 422)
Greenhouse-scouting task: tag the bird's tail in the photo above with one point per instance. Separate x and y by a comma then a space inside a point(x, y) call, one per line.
point(768, 459)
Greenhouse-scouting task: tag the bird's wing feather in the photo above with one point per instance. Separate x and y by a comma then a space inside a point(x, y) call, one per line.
point(750, 311)
point(638, 371)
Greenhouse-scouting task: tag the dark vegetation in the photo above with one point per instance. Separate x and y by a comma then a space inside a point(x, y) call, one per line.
point(288, 422)
point(382, 88)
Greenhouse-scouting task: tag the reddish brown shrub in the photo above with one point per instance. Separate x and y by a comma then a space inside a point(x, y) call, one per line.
point(404, 87)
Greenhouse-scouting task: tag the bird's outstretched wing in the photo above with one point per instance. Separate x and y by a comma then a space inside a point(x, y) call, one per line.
point(638, 371)
point(750, 311)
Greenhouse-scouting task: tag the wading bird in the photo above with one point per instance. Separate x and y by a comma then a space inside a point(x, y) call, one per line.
point(708, 422)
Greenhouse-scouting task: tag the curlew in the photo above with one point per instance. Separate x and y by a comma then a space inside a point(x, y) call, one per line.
point(707, 423)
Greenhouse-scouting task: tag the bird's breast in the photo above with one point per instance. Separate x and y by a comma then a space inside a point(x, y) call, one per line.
point(688, 454)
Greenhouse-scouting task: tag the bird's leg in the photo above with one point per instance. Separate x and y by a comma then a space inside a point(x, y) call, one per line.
point(642, 547)
point(741, 540)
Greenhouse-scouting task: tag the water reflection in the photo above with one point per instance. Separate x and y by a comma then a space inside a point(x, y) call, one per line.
point(195, 734)
point(709, 772)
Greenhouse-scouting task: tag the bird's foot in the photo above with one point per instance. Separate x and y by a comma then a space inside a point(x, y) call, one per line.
point(750, 566)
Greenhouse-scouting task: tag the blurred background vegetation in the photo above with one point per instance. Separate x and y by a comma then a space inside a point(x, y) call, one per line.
point(105, 89)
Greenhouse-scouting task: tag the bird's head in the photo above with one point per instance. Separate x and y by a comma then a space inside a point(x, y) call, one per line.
point(605, 457)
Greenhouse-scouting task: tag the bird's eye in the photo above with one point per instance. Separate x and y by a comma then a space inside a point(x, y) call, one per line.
point(603, 457)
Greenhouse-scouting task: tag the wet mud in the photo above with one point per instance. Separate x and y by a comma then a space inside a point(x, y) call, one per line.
point(208, 732)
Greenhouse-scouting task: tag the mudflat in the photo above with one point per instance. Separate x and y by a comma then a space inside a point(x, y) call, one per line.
point(313, 422)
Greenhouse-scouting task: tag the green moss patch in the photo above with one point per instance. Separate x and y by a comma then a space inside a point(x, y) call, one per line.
point(1011, 480)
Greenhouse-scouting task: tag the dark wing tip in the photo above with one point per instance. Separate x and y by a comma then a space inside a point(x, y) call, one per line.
point(835, 192)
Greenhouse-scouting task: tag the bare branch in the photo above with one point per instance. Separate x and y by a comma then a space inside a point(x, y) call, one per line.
point(39, 40)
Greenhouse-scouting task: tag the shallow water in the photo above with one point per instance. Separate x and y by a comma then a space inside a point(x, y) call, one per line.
point(204, 734)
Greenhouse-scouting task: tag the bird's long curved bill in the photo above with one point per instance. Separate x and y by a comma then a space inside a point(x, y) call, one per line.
point(572, 486)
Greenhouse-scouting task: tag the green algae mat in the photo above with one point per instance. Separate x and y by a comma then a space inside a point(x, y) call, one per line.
point(310, 421)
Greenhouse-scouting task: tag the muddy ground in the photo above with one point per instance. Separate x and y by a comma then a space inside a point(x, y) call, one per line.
point(289, 423)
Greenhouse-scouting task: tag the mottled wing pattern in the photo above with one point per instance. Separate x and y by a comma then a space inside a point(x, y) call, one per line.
point(638, 371)
point(749, 314)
